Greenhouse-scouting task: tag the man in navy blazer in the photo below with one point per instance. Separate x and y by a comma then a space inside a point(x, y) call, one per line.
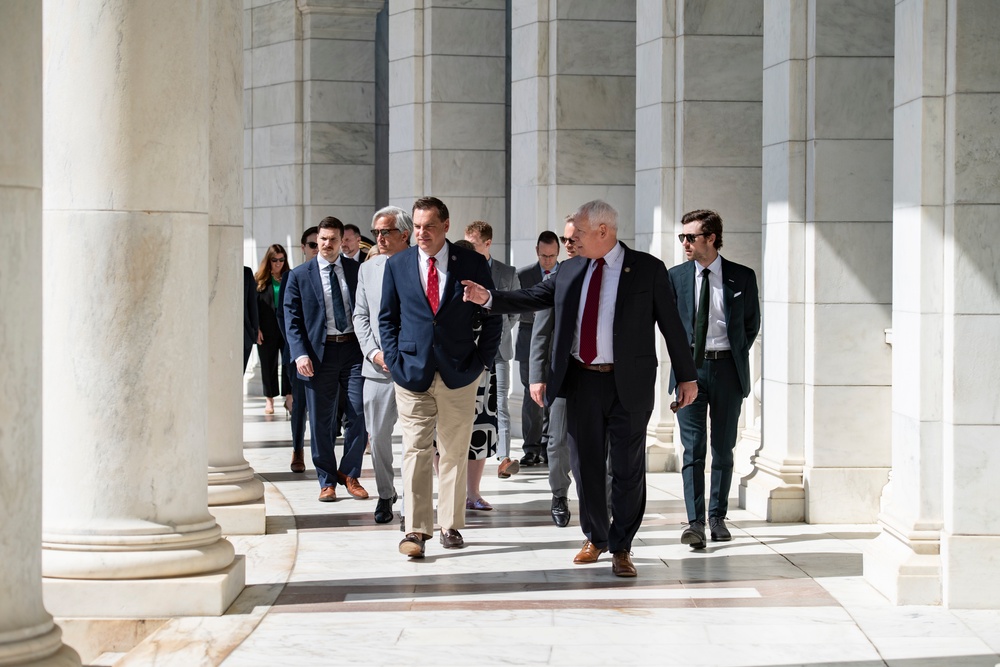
point(608, 302)
point(729, 322)
point(318, 303)
point(435, 356)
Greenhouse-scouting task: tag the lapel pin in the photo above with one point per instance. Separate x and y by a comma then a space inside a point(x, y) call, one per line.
point(453, 258)
point(627, 269)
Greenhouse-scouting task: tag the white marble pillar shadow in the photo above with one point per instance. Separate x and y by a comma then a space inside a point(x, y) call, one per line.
point(125, 295)
point(28, 635)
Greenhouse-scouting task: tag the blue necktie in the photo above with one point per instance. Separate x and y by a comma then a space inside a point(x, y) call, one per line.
point(339, 313)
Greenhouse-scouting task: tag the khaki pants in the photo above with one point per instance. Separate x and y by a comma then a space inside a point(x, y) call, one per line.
point(449, 413)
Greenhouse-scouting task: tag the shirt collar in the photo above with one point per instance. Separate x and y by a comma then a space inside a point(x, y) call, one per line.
point(323, 263)
point(441, 255)
point(715, 267)
point(615, 256)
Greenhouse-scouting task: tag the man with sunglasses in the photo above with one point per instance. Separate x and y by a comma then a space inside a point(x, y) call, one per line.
point(717, 300)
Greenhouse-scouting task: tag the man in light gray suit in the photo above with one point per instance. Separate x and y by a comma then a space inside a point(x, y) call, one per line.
point(391, 227)
point(480, 235)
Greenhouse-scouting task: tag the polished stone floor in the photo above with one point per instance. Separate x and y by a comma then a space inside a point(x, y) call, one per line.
point(327, 586)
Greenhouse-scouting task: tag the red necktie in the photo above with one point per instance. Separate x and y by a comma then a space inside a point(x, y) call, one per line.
point(433, 296)
point(588, 328)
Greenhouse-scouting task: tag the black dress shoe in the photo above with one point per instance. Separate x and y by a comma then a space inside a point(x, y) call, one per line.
point(694, 535)
point(413, 545)
point(383, 509)
point(530, 459)
point(560, 511)
point(720, 533)
point(451, 539)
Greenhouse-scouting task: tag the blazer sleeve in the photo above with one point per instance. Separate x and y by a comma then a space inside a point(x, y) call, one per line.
point(295, 326)
point(362, 319)
point(751, 309)
point(534, 298)
point(541, 346)
point(669, 322)
point(489, 337)
point(388, 317)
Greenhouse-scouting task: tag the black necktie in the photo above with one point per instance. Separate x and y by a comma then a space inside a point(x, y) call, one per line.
point(339, 313)
point(701, 322)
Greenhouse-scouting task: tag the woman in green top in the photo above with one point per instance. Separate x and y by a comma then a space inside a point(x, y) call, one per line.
point(270, 342)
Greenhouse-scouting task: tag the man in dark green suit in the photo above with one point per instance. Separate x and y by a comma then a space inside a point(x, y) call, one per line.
point(717, 301)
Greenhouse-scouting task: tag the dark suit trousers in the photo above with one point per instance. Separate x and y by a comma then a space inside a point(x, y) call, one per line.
point(339, 372)
point(298, 409)
point(532, 418)
point(599, 429)
point(719, 394)
point(269, 351)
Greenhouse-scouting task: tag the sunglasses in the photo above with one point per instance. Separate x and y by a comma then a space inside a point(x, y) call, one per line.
point(565, 239)
point(383, 232)
point(312, 244)
point(279, 260)
point(689, 237)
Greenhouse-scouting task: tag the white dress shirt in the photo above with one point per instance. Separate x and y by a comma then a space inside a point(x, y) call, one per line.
point(610, 277)
point(324, 274)
point(718, 336)
point(441, 266)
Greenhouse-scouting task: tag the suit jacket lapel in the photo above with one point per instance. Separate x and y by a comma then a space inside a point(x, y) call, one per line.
point(685, 297)
point(449, 281)
point(728, 291)
point(625, 281)
point(317, 283)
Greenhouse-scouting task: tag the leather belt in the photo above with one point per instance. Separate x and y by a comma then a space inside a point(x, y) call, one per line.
point(597, 368)
point(718, 354)
point(344, 338)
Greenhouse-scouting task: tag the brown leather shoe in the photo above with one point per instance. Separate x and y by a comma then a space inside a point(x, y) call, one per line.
point(413, 545)
point(621, 564)
point(298, 464)
point(328, 494)
point(507, 467)
point(451, 539)
point(588, 554)
point(353, 486)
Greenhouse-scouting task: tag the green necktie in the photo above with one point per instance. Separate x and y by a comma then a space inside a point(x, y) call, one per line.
point(701, 322)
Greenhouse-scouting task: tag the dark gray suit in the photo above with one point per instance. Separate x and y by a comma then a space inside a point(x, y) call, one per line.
point(722, 385)
point(504, 278)
point(532, 415)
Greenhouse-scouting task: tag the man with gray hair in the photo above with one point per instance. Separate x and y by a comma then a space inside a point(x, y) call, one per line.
point(391, 227)
point(609, 300)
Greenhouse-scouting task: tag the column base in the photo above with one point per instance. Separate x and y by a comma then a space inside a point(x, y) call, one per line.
point(897, 571)
point(774, 491)
point(202, 595)
point(844, 495)
point(970, 566)
point(661, 451)
point(92, 638)
point(240, 519)
point(64, 657)
point(49, 643)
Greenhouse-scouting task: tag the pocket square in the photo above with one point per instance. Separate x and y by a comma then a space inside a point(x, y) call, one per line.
point(737, 294)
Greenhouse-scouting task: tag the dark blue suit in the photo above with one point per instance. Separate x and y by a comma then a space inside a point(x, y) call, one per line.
point(336, 368)
point(298, 387)
point(722, 386)
point(612, 408)
point(417, 343)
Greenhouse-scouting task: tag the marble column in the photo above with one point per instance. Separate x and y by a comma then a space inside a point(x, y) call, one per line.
point(235, 496)
point(941, 536)
point(446, 110)
point(126, 526)
point(572, 115)
point(698, 143)
point(827, 266)
point(27, 634)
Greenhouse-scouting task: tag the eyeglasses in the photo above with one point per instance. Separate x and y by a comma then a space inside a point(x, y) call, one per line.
point(548, 256)
point(690, 237)
point(312, 244)
point(383, 232)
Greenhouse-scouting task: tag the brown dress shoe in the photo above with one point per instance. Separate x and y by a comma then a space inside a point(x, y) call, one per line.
point(413, 545)
point(507, 467)
point(451, 539)
point(328, 494)
point(353, 486)
point(621, 564)
point(298, 464)
point(588, 554)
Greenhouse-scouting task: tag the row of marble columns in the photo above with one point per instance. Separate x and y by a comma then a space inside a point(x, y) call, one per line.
point(121, 344)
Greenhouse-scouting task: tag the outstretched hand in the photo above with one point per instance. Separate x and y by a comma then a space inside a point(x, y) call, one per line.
point(475, 293)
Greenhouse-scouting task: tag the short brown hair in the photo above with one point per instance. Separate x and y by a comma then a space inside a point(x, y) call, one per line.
point(711, 223)
point(431, 204)
point(482, 228)
point(331, 222)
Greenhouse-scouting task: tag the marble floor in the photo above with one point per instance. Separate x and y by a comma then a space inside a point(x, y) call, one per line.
point(327, 586)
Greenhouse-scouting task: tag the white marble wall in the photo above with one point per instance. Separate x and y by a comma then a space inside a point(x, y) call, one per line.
point(125, 293)
point(698, 138)
point(446, 110)
point(234, 494)
point(573, 114)
point(828, 284)
point(941, 533)
point(27, 633)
